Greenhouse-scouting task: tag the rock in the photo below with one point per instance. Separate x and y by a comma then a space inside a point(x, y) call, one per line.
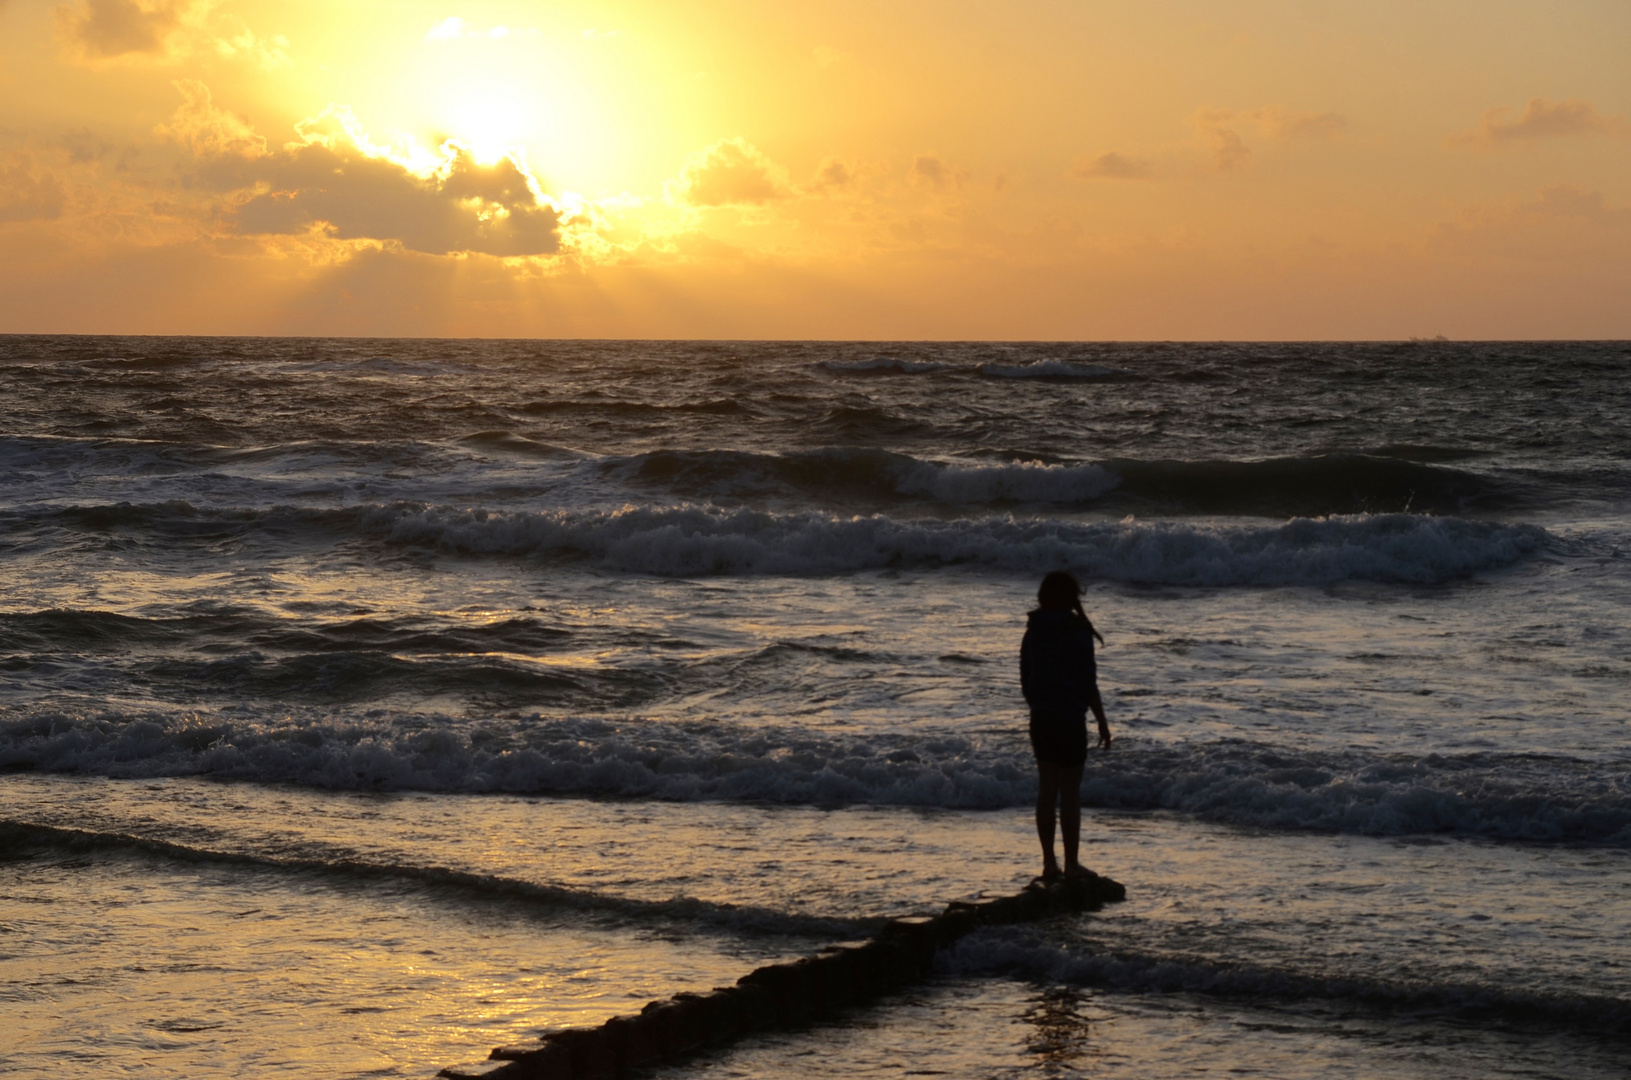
point(998, 911)
point(756, 1010)
point(777, 995)
point(636, 1040)
point(592, 1056)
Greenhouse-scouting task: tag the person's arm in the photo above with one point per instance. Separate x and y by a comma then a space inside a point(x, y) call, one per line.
point(1025, 667)
point(1096, 703)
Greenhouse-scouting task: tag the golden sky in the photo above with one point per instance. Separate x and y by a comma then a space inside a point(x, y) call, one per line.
point(1023, 169)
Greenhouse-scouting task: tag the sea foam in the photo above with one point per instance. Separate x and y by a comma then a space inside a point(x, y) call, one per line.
point(1512, 797)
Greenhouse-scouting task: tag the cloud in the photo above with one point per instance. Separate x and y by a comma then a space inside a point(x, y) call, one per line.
point(1541, 119)
point(731, 172)
point(1225, 145)
point(831, 175)
point(1114, 166)
point(164, 31)
point(337, 183)
point(1218, 129)
point(1275, 122)
point(1569, 201)
point(350, 195)
point(1563, 222)
point(929, 170)
point(26, 197)
point(109, 28)
point(206, 130)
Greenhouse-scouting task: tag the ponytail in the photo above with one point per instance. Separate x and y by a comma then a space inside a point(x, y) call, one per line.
point(1061, 591)
point(1077, 603)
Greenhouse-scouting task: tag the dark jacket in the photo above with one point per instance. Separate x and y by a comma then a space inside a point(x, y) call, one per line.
point(1057, 671)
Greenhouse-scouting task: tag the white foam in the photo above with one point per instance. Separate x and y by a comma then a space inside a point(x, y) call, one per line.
point(1501, 797)
point(1028, 482)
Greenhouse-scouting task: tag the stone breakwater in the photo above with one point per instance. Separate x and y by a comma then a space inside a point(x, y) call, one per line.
point(777, 996)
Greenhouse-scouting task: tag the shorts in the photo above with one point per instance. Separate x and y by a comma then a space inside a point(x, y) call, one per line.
point(1059, 739)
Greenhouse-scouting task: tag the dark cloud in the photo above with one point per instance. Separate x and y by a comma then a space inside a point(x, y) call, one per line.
point(464, 207)
point(108, 28)
point(1113, 166)
point(26, 197)
point(335, 181)
point(833, 174)
point(930, 171)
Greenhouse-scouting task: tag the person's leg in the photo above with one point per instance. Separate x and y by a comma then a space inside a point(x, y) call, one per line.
point(1047, 794)
point(1070, 814)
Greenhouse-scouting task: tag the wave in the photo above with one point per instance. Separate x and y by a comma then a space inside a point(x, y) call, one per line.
point(216, 623)
point(56, 458)
point(19, 836)
point(886, 365)
point(1390, 479)
point(1060, 370)
point(1014, 951)
point(1049, 369)
point(1294, 486)
point(1502, 797)
point(689, 541)
point(636, 409)
point(849, 474)
point(370, 675)
point(510, 443)
point(1322, 483)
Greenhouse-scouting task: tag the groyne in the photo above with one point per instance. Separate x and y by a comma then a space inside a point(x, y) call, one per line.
point(777, 996)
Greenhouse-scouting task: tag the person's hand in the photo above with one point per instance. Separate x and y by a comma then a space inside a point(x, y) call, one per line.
point(1104, 738)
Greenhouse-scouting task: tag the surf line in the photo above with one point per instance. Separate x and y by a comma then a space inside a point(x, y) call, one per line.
point(778, 996)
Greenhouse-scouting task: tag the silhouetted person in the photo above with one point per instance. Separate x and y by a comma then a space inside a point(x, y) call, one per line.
point(1060, 679)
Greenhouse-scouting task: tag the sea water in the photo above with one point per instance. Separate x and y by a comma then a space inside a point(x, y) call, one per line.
point(368, 704)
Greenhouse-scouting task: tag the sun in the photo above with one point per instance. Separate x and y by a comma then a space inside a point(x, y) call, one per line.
point(488, 120)
point(574, 107)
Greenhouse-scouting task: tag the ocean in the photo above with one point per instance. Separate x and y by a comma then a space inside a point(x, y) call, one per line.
point(366, 704)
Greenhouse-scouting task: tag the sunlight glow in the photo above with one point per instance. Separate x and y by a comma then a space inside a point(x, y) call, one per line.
point(488, 121)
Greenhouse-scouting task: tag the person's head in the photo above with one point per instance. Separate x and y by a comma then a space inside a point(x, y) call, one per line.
point(1060, 591)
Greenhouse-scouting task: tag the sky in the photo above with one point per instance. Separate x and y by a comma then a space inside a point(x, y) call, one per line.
point(962, 169)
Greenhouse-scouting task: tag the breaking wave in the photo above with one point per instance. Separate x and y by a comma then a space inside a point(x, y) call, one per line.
point(688, 541)
point(18, 835)
point(1507, 797)
point(1305, 486)
point(685, 541)
point(875, 478)
point(1013, 952)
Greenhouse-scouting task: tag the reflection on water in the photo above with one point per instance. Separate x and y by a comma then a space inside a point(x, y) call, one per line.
point(402, 933)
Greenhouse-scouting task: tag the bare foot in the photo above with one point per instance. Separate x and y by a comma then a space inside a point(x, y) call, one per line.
point(1050, 874)
point(1079, 871)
